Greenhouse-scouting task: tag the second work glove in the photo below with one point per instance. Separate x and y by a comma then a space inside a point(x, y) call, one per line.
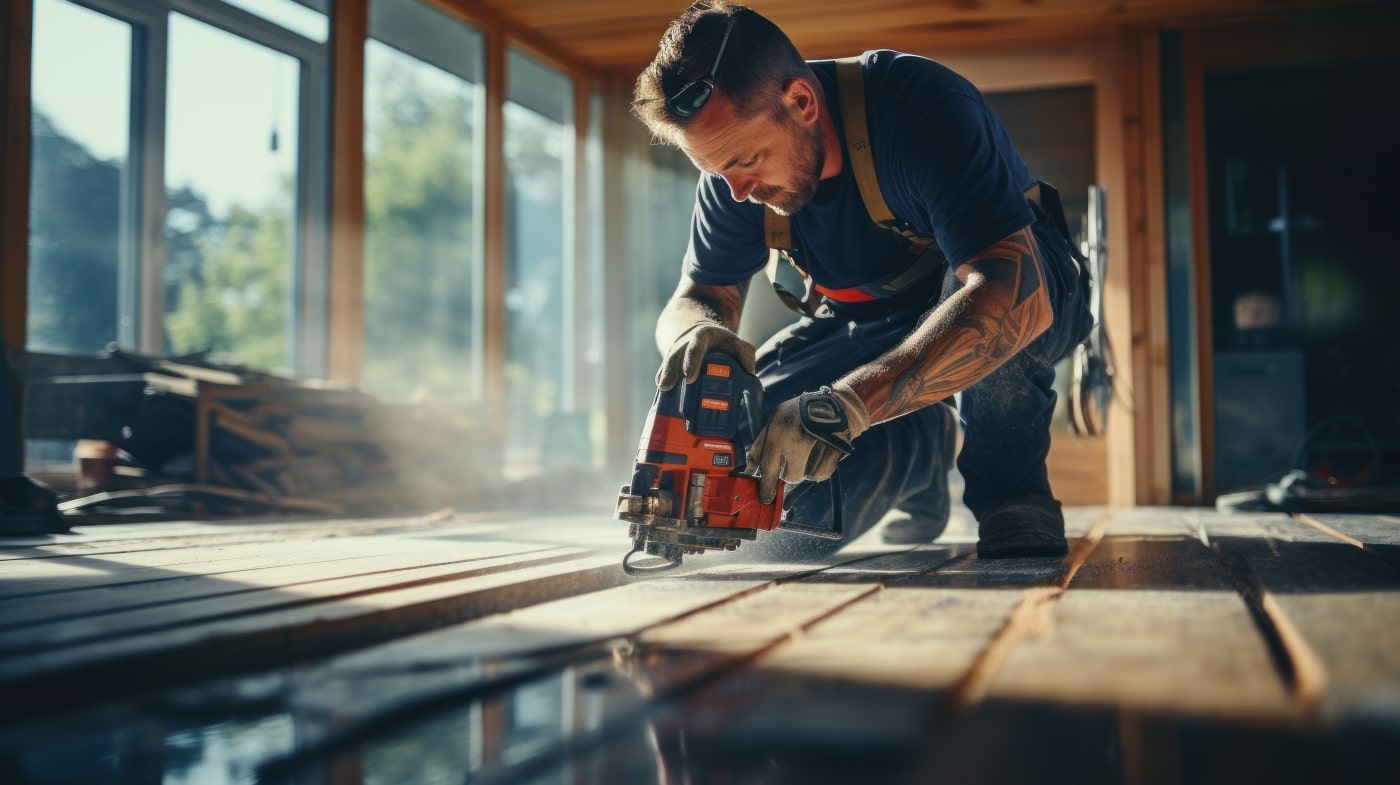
point(805, 437)
point(687, 355)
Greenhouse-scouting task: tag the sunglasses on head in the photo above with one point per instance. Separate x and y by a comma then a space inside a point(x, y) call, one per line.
point(692, 97)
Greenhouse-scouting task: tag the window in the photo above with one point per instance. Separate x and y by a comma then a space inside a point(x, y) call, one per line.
point(542, 346)
point(231, 173)
point(177, 183)
point(174, 190)
point(80, 266)
point(658, 231)
point(423, 174)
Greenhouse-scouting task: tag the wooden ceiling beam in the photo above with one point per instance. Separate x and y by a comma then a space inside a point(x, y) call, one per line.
point(621, 35)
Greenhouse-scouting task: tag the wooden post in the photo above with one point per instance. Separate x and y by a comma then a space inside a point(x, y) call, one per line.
point(16, 42)
point(15, 50)
point(622, 421)
point(581, 400)
point(494, 275)
point(1156, 486)
point(346, 334)
point(1142, 356)
point(1110, 114)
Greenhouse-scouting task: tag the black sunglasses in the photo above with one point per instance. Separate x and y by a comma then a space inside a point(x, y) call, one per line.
point(691, 98)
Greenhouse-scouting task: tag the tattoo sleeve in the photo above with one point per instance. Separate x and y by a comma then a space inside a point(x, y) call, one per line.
point(1001, 307)
point(693, 303)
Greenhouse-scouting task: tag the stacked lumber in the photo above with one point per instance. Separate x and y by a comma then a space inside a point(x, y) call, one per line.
point(243, 440)
point(340, 446)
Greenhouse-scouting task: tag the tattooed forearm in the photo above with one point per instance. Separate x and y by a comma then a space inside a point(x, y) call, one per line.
point(693, 303)
point(1001, 308)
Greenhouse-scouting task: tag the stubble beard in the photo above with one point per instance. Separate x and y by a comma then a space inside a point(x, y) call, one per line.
point(807, 161)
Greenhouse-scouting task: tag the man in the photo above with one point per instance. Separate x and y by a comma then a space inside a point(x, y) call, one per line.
point(765, 128)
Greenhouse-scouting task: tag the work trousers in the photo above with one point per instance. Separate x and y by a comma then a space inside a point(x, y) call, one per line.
point(904, 463)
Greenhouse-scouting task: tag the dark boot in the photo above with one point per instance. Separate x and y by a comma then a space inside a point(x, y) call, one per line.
point(29, 507)
point(1023, 529)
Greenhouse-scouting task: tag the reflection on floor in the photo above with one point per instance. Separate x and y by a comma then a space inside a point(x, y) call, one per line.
point(1172, 645)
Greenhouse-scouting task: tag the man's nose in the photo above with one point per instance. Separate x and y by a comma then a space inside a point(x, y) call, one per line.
point(740, 187)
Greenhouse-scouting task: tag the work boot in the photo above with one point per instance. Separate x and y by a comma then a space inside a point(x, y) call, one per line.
point(29, 507)
point(1025, 529)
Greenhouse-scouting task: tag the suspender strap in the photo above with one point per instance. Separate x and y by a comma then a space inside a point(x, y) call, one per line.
point(850, 84)
point(777, 232)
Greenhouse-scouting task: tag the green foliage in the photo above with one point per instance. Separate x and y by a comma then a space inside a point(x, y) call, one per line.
point(235, 302)
point(73, 243)
point(420, 266)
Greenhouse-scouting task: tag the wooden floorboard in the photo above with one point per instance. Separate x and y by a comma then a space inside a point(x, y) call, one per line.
point(1375, 533)
point(1167, 635)
point(1340, 602)
point(104, 614)
point(1153, 624)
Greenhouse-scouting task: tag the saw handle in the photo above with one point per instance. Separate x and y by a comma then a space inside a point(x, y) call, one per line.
point(631, 569)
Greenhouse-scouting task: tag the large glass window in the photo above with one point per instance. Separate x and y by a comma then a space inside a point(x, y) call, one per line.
point(423, 234)
point(172, 186)
point(81, 164)
point(177, 183)
point(231, 172)
point(658, 230)
point(541, 345)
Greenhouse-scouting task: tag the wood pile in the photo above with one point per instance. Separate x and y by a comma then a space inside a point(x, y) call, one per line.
point(340, 447)
point(254, 440)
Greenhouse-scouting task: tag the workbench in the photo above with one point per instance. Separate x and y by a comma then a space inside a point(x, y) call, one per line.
point(1171, 645)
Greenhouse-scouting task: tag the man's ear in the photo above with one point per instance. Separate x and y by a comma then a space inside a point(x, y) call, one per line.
point(803, 98)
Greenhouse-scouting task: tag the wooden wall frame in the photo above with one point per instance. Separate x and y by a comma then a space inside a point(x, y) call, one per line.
point(16, 43)
point(345, 334)
point(1136, 300)
point(493, 218)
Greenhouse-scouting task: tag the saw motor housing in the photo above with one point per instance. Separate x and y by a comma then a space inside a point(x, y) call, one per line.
point(688, 493)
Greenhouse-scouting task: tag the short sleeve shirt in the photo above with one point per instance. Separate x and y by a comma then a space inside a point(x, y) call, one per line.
point(944, 163)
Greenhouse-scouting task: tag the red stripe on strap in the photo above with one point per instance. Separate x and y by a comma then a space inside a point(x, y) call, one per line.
point(846, 295)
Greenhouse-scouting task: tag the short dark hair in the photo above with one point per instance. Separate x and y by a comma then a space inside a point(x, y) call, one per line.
point(759, 60)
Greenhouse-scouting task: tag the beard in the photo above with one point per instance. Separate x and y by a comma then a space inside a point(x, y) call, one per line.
point(806, 163)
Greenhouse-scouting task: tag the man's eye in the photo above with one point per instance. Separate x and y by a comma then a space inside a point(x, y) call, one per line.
point(749, 163)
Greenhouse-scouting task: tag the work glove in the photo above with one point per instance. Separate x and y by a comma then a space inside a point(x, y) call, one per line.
point(805, 437)
point(686, 357)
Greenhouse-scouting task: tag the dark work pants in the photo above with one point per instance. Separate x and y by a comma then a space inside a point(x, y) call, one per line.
point(904, 463)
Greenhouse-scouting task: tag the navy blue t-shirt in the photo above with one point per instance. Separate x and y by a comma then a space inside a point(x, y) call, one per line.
point(944, 163)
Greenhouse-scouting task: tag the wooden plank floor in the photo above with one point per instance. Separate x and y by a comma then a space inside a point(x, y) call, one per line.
point(1171, 645)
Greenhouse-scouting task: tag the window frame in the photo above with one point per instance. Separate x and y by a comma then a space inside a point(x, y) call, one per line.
point(141, 264)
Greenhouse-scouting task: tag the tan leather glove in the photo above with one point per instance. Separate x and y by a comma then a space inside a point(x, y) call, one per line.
point(805, 437)
point(686, 356)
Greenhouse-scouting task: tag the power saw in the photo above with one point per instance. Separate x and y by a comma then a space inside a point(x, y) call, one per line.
point(689, 492)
